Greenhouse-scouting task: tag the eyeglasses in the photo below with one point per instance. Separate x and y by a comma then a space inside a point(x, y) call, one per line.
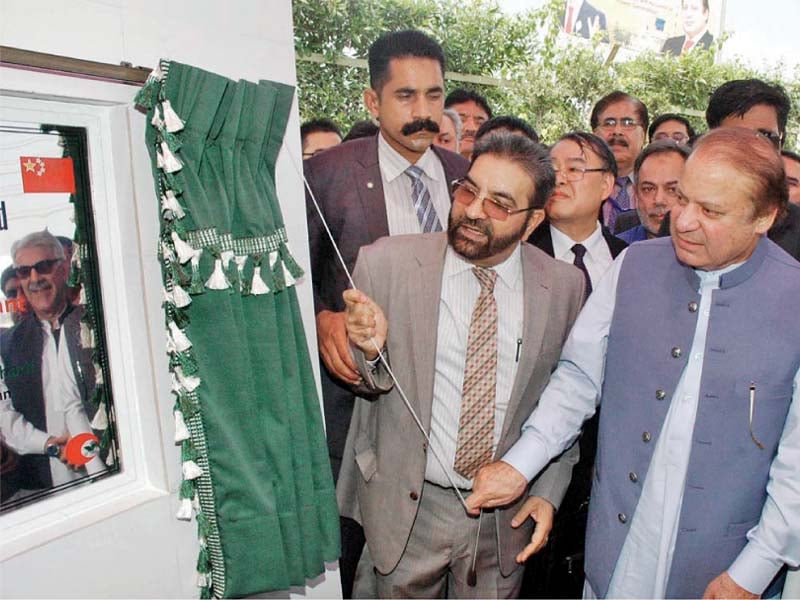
point(465, 193)
point(573, 173)
point(773, 137)
point(624, 122)
point(677, 136)
point(43, 267)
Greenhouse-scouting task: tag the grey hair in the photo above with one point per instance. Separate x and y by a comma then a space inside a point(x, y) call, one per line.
point(38, 239)
point(453, 115)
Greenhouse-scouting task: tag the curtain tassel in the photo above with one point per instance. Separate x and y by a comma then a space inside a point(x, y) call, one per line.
point(185, 510)
point(171, 164)
point(182, 343)
point(100, 420)
point(82, 296)
point(181, 430)
point(160, 161)
point(258, 287)
point(240, 263)
point(191, 470)
point(156, 121)
point(189, 383)
point(170, 204)
point(290, 264)
point(171, 118)
point(218, 281)
point(277, 271)
point(196, 286)
point(180, 296)
point(184, 250)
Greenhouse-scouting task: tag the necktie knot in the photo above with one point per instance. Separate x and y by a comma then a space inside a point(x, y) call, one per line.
point(622, 182)
point(486, 277)
point(414, 172)
point(579, 250)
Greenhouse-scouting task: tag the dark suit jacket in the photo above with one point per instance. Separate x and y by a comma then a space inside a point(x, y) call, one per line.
point(542, 239)
point(346, 181)
point(674, 45)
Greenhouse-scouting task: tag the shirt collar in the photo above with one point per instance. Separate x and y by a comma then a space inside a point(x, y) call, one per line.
point(393, 164)
point(562, 243)
point(509, 271)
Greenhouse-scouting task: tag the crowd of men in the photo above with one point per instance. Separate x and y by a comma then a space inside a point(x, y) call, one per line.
point(585, 353)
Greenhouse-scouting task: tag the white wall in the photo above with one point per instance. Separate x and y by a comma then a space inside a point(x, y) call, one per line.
point(247, 39)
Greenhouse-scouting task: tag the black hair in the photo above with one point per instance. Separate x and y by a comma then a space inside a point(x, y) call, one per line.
point(791, 155)
point(509, 123)
point(461, 95)
point(316, 126)
point(659, 147)
point(613, 98)
point(596, 144)
point(400, 44)
point(740, 95)
point(671, 117)
point(526, 153)
point(360, 129)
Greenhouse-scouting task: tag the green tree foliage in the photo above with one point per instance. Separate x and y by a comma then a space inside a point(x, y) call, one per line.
point(548, 80)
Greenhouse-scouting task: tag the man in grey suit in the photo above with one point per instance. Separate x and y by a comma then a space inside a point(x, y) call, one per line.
point(365, 190)
point(472, 323)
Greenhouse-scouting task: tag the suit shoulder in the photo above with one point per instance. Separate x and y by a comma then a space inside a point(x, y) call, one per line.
point(454, 164)
point(401, 246)
point(341, 157)
point(557, 269)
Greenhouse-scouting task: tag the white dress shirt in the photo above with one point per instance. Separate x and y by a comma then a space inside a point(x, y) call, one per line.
point(597, 258)
point(400, 213)
point(460, 291)
point(572, 396)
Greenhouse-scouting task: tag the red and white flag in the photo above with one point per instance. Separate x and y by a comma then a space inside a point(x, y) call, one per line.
point(41, 175)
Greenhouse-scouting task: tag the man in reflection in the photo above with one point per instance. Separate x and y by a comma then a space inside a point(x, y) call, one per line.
point(48, 376)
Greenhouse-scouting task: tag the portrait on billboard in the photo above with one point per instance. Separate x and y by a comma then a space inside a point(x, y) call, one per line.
point(674, 27)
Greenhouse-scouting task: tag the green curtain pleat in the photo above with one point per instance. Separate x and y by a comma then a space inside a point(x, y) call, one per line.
point(272, 495)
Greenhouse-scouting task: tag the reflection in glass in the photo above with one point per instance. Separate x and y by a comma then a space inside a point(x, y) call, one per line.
point(56, 415)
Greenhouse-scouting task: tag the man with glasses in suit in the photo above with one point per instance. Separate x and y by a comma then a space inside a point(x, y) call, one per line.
point(621, 120)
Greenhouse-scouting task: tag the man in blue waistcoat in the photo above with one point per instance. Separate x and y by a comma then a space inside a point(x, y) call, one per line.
point(691, 343)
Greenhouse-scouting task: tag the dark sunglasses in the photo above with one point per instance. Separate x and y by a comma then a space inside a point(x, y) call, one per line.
point(43, 267)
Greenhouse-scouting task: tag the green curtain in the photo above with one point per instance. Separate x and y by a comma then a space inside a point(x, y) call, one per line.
point(255, 463)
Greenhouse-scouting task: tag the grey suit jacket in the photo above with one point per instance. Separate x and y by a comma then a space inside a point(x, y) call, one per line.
point(347, 185)
point(383, 469)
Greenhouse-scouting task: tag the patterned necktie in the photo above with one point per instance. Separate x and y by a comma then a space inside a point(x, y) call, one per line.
point(423, 206)
point(579, 250)
point(476, 425)
point(687, 46)
point(622, 199)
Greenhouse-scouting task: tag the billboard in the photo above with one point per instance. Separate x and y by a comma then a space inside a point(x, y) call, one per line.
point(669, 26)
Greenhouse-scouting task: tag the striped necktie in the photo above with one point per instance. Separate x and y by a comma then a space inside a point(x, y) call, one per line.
point(426, 213)
point(476, 424)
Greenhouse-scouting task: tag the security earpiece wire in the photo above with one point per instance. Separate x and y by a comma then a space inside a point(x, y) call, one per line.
point(382, 358)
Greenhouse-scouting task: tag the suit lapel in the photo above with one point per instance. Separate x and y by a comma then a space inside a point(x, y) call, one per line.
point(424, 289)
point(537, 297)
point(370, 191)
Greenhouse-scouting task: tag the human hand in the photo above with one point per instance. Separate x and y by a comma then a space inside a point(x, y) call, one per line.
point(365, 323)
point(723, 586)
point(333, 346)
point(61, 442)
point(496, 484)
point(542, 512)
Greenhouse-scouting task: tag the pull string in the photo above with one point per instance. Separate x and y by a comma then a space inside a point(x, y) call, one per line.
point(383, 360)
